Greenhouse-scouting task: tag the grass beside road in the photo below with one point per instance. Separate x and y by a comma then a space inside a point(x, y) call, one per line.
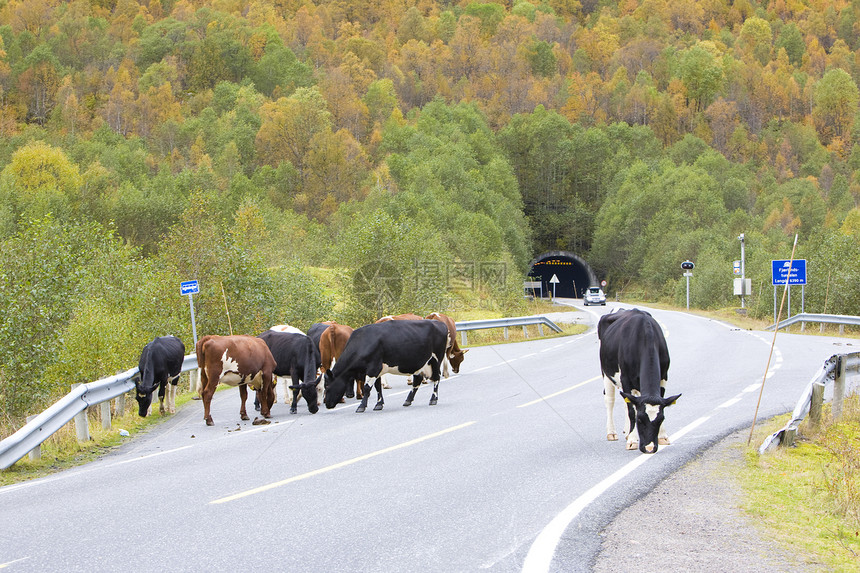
point(807, 497)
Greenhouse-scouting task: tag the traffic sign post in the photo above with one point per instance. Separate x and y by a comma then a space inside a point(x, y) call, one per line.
point(191, 288)
point(688, 268)
point(553, 281)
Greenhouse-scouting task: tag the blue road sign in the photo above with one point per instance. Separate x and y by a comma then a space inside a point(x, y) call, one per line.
point(780, 272)
point(189, 287)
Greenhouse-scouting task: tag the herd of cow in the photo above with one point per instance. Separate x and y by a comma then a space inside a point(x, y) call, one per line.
point(331, 359)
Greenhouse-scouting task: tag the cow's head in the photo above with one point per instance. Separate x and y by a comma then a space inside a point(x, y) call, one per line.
point(649, 417)
point(311, 393)
point(335, 388)
point(144, 386)
point(456, 358)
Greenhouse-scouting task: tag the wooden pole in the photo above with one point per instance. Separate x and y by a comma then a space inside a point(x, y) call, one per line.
point(224, 296)
point(773, 342)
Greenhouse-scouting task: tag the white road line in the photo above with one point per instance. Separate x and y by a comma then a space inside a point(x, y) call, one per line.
point(752, 387)
point(539, 557)
point(558, 393)
point(343, 464)
point(7, 564)
point(527, 355)
point(731, 402)
point(150, 456)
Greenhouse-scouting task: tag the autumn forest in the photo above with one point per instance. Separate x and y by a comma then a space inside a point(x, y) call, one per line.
point(291, 154)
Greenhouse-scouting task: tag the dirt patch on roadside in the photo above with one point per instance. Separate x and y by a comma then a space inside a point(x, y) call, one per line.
point(692, 522)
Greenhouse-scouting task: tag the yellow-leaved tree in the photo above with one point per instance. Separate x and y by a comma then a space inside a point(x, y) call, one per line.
point(40, 179)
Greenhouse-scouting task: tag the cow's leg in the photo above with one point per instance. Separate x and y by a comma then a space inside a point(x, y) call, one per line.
point(365, 395)
point(206, 391)
point(294, 403)
point(243, 395)
point(267, 396)
point(630, 428)
point(171, 394)
point(435, 375)
point(662, 436)
point(379, 401)
point(609, 399)
point(359, 390)
point(416, 382)
point(161, 390)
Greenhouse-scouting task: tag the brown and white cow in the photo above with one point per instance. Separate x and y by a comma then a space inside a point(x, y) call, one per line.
point(238, 360)
point(453, 354)
point(331, 338)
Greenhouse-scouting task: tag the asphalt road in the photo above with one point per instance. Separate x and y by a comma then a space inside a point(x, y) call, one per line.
point(511, 471)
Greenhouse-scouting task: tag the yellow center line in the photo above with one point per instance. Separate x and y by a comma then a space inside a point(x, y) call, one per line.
point(533, 402)
point(343, 464)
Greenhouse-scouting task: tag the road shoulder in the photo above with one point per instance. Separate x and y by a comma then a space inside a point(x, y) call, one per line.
point(692, 521)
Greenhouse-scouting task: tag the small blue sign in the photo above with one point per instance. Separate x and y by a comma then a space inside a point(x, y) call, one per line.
point(189, 287)
point(780, 272)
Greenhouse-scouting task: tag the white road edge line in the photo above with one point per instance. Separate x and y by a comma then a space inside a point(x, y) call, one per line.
point(539, 557)
point(150, 456)
point(339, 465)
point(7, 564)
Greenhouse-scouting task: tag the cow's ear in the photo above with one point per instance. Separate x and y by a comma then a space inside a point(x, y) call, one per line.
point(466, 350)
point(630, 398)
point(670, 400)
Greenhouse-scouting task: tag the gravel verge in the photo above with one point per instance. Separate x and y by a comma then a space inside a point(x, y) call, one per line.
point(692, 521)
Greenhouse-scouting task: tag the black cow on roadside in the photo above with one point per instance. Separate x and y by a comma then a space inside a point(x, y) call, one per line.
point(634, 358)
point(160, 363)
point(298, 357)
point(401, 347)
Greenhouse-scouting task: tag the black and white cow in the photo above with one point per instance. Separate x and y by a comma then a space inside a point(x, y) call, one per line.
point(634, 358)
point(401, 347)
point(298, 357)
point(160, 364)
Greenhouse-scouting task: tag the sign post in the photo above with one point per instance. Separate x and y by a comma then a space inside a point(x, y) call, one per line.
point(688, 268)
point(191, 288)
point(553, 281)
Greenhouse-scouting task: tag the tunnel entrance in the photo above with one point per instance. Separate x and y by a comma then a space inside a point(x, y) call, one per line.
point(573, 273)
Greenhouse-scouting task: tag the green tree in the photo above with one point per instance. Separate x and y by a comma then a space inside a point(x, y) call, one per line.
point(836, 98)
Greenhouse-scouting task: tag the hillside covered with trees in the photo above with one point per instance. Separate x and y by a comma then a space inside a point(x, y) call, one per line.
point(425, 151)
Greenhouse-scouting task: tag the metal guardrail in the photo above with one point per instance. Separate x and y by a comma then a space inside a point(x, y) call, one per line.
point(523, 321)
point(820, 318)
point(829, 371)
point(44, 425)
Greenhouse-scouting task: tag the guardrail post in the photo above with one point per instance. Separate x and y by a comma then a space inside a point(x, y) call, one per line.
point(82, 427)
point(119, 407)
point(463, 337)
point(35, 453)
point(841, 329)
point(839, 387)
point(105, 412)
point(525, 331)
point(788, 437)
point(816, 403)
point(540, 329)
point(506, 333)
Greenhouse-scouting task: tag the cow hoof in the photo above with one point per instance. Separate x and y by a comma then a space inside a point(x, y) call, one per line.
point(407, 404)
point(378, 407)
point(244, 417)
point(350, 395)
point(612, 437)
point(632, 445)
point(294, 411)
point(433, 401)
point(663, 441)
point(209, 422)
point(360, 409)
point(260, 422)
